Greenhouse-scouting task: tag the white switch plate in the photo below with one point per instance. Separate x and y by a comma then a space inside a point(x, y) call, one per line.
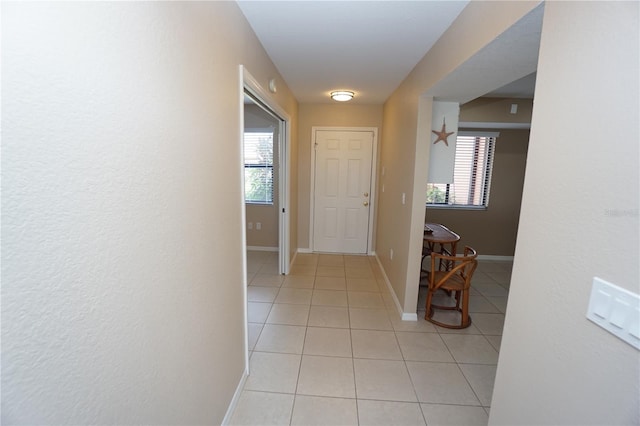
point(404, 198)
point(616, 310)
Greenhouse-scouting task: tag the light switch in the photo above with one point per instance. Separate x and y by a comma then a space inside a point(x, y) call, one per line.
point(601, 304)
point(619, 313)
point(404, 198)
point(616, 310)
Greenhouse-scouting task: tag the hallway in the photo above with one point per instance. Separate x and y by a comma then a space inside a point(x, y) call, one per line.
point(328, 347)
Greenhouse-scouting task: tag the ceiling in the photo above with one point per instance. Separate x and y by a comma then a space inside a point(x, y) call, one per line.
point(369, 47)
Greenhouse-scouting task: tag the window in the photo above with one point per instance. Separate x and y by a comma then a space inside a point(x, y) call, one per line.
point(258, 166)
point(471, 174)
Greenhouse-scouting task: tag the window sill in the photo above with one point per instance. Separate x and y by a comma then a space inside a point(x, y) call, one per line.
point(455, 207)
point(259, 203)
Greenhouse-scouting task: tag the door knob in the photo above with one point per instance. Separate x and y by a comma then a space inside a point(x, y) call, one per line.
point(366, 203)
point(366, 194)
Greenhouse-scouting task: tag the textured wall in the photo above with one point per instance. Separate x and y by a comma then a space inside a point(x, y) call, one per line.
point(579, 220)
point(122, 271)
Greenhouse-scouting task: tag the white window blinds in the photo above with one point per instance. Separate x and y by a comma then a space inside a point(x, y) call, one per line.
point(471, 175)
point(258, 167)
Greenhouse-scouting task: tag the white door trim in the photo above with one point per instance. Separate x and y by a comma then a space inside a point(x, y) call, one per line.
point(374, 180)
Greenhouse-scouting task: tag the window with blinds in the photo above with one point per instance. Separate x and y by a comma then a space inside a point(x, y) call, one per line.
point(471, 174)
point(258, 167)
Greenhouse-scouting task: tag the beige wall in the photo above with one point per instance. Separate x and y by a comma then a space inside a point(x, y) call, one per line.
point(579, 220)
point(122, 232)
point(397, 159)
point(267, 215)
point(496, 110)
point(493, 231)
point(267, 235)
point(327, 115)
point(406, 130)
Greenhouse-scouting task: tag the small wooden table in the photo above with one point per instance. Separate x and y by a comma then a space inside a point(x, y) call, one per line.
point(435, 233)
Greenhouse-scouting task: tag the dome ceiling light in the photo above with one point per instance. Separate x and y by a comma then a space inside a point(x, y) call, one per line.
point(342, 95)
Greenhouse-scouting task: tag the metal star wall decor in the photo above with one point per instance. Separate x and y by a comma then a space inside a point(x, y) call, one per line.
point(442, 134)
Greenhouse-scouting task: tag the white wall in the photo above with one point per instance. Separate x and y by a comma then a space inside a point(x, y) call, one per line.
point(122, 272)
point(579, 220)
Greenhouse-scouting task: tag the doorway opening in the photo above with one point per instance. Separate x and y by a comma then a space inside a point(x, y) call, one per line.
point(266, 171)
point(261, 147)
point(251, 92)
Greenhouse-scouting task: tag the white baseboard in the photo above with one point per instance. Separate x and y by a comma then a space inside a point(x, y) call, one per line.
point(235, 399)
point(308, 250)
point(495, 258)
point(405, 316)
point(409, 317)
point(262, 248)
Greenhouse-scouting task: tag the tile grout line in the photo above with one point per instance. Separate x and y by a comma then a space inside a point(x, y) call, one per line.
point(295, 391)
point(395, 332)
point(353, 366)
point(440, 332)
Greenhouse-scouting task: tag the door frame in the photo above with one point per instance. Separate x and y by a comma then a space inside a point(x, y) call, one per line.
point(247, 82)
point(251, 85)
point(374, 180)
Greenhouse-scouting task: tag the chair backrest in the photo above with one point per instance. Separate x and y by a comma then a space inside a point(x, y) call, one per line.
point(463, 266)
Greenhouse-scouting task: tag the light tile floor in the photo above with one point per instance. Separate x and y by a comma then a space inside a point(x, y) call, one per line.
point(328, 348)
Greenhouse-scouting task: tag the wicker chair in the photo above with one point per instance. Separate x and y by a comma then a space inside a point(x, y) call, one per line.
point(456, 280)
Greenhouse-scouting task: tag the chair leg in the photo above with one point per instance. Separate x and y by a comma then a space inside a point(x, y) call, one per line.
point(427, 306)
point(466, 319)
point(462, 306)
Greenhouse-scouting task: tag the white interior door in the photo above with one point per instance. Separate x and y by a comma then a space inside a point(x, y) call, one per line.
point(342, 190)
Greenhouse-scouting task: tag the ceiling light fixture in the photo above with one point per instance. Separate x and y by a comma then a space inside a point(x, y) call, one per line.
point(342, 95)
